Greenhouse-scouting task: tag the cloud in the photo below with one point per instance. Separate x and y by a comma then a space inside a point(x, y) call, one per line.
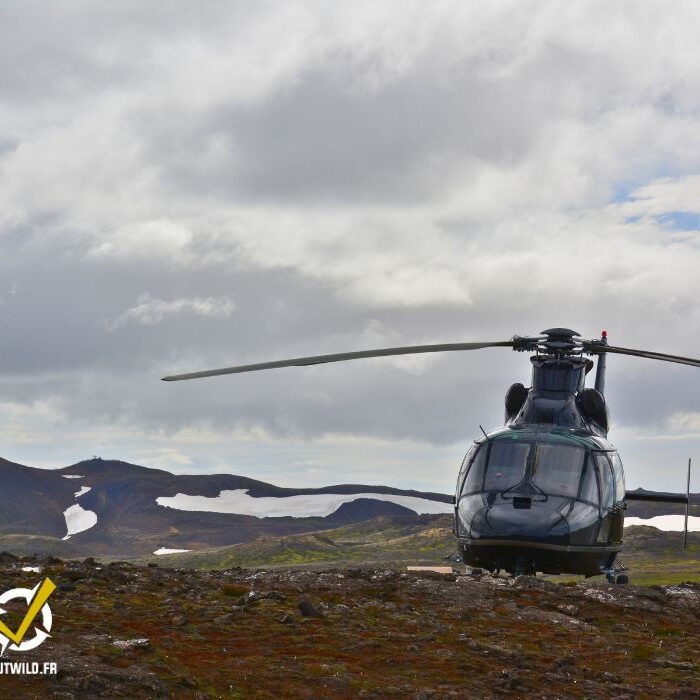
point(150, 312)
point(150, 239)
point(353, 177)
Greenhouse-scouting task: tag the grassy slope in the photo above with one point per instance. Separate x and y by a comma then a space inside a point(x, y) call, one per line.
point(656, 557)
point(384, 540)
point(653, 557)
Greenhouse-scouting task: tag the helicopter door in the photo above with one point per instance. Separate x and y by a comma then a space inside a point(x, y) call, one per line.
point(610, 516)
point(466, 462)
point(618, 524)
point(470, 479)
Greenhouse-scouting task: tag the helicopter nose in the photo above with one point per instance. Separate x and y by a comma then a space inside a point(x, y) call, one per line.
point(539, 523)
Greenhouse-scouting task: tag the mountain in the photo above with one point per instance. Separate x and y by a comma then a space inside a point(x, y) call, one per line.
point(111, 508)
point(32, 500)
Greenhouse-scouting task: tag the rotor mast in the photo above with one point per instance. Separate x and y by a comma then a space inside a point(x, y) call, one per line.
point(600, 368)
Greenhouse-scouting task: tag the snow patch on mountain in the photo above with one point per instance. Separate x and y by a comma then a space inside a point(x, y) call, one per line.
point(314, 505)
point(78, 520)
point(166, 550)
point(72, 476)
point(668, 523)
point(83, 491)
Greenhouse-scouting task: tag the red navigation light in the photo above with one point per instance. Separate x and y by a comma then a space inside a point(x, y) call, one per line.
point(604, 334)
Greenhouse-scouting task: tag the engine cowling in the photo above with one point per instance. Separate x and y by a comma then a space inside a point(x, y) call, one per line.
point(515, 399)
point(593, 406)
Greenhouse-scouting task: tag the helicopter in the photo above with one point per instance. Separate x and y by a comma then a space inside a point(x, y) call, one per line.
point(546, 491)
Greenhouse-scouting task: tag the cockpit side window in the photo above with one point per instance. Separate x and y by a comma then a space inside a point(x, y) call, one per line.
point(557, 469)
point(475, 477)
point(607, 486)
point(465, 465)
point(619, 476)
point(506, 465)
point(589, 483)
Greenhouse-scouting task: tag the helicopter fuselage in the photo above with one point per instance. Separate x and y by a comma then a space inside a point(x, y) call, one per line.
point(546, 492)
point(540, 498)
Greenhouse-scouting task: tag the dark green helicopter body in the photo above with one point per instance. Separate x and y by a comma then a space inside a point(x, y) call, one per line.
point(545, 492)
point(540, 499)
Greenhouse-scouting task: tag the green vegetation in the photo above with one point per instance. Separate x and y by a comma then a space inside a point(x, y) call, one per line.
point(653, 557)
point(384, 541)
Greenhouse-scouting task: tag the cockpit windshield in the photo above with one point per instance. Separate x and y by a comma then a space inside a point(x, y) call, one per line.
point(506, 466)
point(557, 469)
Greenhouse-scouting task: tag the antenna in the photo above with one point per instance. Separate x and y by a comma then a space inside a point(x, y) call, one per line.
point(687, 506)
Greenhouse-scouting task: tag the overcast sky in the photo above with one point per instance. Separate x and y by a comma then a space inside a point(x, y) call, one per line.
point(186, 185)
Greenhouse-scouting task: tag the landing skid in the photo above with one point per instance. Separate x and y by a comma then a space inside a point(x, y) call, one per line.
point(616, 574)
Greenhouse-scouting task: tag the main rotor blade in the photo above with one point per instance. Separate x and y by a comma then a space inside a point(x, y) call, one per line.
point(651, 355)
point(340, 357)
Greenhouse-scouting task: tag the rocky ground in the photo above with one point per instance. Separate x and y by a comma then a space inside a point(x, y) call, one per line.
point(125, 631)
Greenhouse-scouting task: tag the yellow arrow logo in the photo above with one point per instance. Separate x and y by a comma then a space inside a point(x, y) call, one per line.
point(42, 595)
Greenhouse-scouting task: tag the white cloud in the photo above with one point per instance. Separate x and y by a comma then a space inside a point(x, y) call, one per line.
point(150, 239)
point(662, 196)
point(355, 176)
point(150, 312)
point(168, 458)
point(681, 426)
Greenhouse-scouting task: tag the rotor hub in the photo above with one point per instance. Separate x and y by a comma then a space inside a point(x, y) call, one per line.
point(559, 342)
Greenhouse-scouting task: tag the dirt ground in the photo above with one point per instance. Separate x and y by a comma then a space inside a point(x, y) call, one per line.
point(125, 631)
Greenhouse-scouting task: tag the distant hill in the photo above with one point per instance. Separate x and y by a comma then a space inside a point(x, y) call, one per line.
point(112, 508)
point(388, 540)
